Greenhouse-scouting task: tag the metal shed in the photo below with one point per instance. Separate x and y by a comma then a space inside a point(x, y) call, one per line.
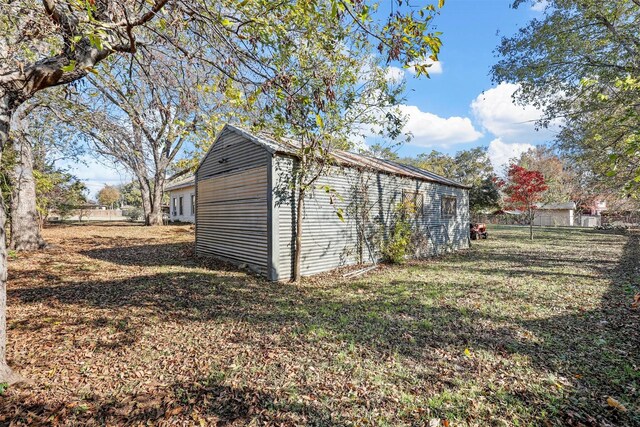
point(555, 214)
point(245, 207)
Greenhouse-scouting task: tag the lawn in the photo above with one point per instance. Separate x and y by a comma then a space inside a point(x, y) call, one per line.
point(119, 324)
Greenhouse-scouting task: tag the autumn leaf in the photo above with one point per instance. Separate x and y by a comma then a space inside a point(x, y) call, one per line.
point(615, 404)
point(636, 301)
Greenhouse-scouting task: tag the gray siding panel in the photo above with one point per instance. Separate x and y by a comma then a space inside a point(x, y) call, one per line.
point(231, 214)
point(285, 209)
point(328, 242)
point(231, 152)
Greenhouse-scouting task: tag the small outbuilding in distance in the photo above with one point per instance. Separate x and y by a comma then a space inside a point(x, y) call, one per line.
point(245, 207)
point(555, 214)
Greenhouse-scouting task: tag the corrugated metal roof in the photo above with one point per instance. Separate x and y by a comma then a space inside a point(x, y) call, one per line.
point(176, 184)
point(291, 147)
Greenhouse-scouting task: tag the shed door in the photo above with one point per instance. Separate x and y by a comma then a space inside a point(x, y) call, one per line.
point(232, 216)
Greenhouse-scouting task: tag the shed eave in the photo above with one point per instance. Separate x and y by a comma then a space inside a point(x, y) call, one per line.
point(344, 163)
point(238, 131)
point(343, 159)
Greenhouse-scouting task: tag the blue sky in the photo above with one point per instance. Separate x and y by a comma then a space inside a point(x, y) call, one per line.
point(470, 109)
point(459, 107)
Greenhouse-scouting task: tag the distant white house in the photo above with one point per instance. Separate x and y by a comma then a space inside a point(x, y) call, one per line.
point(182, 199)
point(555, 214)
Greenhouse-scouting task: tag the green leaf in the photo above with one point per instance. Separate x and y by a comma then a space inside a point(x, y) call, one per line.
point(69, 68)
point(96, 41)
point(319, 121)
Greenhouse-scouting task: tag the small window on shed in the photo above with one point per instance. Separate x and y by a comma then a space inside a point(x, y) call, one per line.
point(413, 203)
point(193, 204)
point(174, 210)
point(448, 206)
point(181, 206)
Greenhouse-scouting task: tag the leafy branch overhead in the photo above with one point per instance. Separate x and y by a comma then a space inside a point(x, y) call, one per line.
point(294, 61)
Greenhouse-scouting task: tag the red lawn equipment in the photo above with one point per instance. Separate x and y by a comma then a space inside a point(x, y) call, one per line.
point(478, 230)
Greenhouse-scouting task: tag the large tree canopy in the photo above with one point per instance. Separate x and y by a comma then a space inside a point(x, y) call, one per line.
point(581, 64)
point(255, 45)
point(470, 167)
point(139, 114)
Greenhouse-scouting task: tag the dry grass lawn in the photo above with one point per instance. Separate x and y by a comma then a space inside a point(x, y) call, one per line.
point(119, 325)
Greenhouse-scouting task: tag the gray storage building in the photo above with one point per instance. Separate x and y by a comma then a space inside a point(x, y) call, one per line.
point(245, 207)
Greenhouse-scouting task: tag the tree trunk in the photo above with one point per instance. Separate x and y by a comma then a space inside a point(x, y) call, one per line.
point(530, 224)
point(151, 200)
point(6, 373)
point(25, 227)
point(145, 194)
point(155, 214)
point(297, 273)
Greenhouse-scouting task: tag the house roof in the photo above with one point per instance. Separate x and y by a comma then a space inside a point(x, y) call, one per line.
point(507, 212)
point(556, 206)
point(181, 182)
point(291, 147)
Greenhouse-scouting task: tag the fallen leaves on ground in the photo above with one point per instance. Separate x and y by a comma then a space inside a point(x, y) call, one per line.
point(119, 324)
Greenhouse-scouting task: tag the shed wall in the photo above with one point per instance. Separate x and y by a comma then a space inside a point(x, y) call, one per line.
point(328, 242)
point(231, 198)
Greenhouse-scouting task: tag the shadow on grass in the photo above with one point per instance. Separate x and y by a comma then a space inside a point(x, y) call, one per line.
point(202, 402)
point(598, 348)
point(145, 255)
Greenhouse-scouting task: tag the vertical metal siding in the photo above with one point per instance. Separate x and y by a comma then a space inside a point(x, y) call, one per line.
point(231, 213)
point(329, 243)
point(272, 224)
point(284, 208)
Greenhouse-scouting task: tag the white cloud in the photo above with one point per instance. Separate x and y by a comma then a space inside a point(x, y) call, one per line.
point(539, 6)
point(429, 129)
point(498, 114)
point(394, 74)
point(435, 67)
point(500, 153)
